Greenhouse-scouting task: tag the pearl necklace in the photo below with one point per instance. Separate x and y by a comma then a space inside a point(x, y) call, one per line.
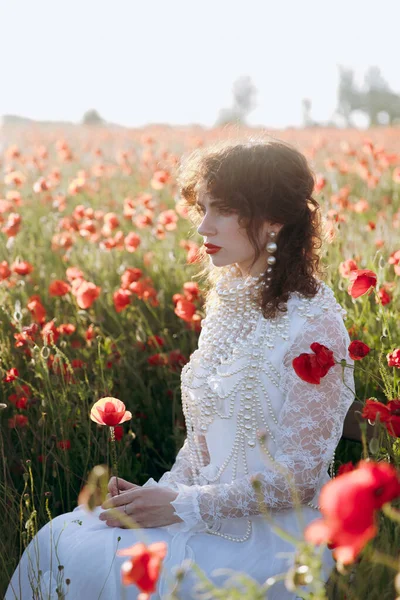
point(239, 307)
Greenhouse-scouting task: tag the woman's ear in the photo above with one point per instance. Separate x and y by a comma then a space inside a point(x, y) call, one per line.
point(276, 227)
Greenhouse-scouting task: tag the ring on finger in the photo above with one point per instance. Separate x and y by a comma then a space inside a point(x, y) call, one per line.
point(125, 509)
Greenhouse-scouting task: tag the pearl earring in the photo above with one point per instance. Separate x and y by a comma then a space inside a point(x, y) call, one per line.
point(271, 247)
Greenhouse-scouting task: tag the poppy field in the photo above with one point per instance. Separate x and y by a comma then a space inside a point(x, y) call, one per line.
point(99, 298)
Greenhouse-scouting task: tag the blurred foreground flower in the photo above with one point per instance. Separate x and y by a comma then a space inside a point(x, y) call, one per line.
point(143, 568)
point(95, 491)
point(349, 504)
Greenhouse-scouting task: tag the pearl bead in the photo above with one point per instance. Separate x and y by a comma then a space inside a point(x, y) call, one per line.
point(272, 247)
point(271, 260)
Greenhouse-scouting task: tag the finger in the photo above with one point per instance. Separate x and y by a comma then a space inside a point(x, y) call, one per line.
point(114, 523)
point(114, 490)
point(123, 486)
point(111, 515)
point(126, 497)
point(117, 500)
point(111, 485)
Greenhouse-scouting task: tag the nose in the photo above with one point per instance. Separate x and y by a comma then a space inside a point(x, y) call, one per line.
point(206, 227)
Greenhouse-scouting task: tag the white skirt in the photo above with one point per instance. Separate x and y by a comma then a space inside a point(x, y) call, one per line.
point(85, 547)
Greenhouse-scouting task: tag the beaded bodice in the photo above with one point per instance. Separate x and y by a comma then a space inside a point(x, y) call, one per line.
point(247, 412)
point(234, 375)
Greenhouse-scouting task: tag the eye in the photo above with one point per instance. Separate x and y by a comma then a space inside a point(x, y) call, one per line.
point(225, 211)
point(220, 210)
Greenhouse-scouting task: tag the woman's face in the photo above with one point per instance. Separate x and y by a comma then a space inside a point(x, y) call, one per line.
point(224, 230)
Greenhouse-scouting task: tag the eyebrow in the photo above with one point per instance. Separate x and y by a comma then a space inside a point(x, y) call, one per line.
point(212, 203)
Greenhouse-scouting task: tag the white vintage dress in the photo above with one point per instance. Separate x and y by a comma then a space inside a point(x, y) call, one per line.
point(238, 384)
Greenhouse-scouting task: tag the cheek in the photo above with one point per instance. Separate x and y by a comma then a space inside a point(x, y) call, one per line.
point(232, 228)
point(241, 234)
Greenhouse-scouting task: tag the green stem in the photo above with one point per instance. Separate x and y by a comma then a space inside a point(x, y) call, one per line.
point(114, 457)
point(358, 367)
point(384, 316)
point(391, 512)
point(385, 560)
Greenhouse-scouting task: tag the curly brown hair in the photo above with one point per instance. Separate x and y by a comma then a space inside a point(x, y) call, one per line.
point(261, 180)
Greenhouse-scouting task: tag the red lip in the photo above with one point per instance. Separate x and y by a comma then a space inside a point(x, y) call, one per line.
point(212, 247)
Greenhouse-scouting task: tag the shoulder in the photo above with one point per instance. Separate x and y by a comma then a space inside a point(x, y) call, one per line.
point(318, 319)
point(323, 303)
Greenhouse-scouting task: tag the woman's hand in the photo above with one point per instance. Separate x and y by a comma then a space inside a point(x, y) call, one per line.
point(148, 507)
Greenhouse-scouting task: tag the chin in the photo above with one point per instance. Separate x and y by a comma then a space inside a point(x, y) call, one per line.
point(220, 261)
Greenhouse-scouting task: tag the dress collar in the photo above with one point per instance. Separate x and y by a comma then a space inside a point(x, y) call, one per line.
point(233, 288)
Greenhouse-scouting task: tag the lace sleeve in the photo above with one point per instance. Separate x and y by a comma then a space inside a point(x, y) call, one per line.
point(309, 428)
point(181, 471)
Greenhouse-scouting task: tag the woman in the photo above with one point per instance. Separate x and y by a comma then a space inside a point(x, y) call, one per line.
point(249, 416)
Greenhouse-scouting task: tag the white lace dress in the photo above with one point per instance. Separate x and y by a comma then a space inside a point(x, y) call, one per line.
point(238, 383)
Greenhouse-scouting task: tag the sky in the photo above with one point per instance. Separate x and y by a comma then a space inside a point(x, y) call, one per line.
point(176, 61)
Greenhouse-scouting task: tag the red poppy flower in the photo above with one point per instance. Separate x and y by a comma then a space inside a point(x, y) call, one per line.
point(77, 363)
point(66, 328)
point(346, 468)
point(86, 294)
point(143, 568)
point(4, 270)
point(73, 273)
point(159, 179)
point(59, 288)
point(21, 402)
point(18, 421)
point(384, 296)
point(11, 375)
point(347, 266)
point(361, 281)
point(37, 309)
point(22, 267)
point(50, 333)
point(372, 408)
point(90, 334)
point(345, 527)
point(393, 358)
point(185, 309)
point(191, 290)
point(109, 411)
point(118, 432)
point(129, 276)
point(157, 360)
point(122, 299)
point(155, 341)
point(132, 241)
point(389, 414)
point(357, 350)
point(393, 422)
point(64, 444)
point(311, 367)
